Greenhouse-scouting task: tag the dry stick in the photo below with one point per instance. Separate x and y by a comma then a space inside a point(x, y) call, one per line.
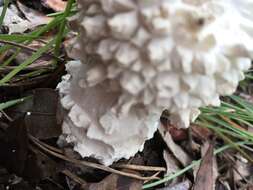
point(89, 164)
point(6, 115)
point(48, 146)
point(155, 175)
point(74, 177)
point(122, 166)
point(228, 157)
point(139, 167)
point(30, 49)
point(41, 40)
point(247, 148)
point(9, 68)
point(232, 123)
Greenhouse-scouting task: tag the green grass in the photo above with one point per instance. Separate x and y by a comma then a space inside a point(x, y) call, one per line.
point(59, 22)
point(192, 165)
point(27, 62)
point(229, 122)
point(4, 10)
point(62, 27)
point(11, 103)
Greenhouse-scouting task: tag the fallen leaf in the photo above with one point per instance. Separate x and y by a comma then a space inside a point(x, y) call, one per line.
point(172, 165)
point(20, 158)
point(41, 63)
point(17, 24)
point(36, 18)
point(185, 185)
point(56, 5)
point(177, 151)
point(116, 182)
point(40, 114)
point(14, 146)
point(205, 174)
point(222, 185)
point(39, 166)
point(70, 46)
point(201, 133)
point(176, 133)
point(19, 87)
point(247, 97)
point(13, 22)
point(41, 120)
point(242, 168)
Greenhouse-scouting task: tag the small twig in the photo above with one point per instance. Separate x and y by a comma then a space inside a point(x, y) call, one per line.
point(55, 183)
point(235, 125)
point(247, 148)
point(4, 10)
point(62, 27)
point(75, 178)
point(139, 167)
point(5, 69)
point(228, 157)
point(122, 166)
point(155, 175)
point(30, 49)
point(6, 115)
point(51, 147)
point(88, 164)
point(41, 41)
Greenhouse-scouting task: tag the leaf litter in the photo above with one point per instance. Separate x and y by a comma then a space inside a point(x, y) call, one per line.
point(30, 155)
point(17, 24)
point(57, 5)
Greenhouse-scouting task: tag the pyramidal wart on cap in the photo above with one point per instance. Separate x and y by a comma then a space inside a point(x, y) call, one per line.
point(147, 56)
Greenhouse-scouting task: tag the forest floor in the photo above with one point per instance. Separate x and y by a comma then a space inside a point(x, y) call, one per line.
point(216, 152)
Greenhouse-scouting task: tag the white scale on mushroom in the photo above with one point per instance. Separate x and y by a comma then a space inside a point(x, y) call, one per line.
point(149, 55)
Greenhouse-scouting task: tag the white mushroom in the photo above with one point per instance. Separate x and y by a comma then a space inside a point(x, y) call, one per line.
point(150, 55)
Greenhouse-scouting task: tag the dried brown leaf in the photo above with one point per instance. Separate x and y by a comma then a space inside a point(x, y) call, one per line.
point(14, 22)
point(20, 158)
point(39, 166)
point(14, 146)
point(57, 5)
point(201, 132)
point(36, 18)
point(176, 133)
point(177, 151)
point(205, 174)
point(40, 114)
point(43, 62)
point(116, 182)
point(172, 165)
point(242, 168)
point(17, 24)
point(185, 185)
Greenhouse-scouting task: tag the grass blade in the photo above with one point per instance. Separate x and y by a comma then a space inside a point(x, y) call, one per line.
point(12, 103)
point(27, 62)
point(191, 166)
point(4, 10)
point(62, 27)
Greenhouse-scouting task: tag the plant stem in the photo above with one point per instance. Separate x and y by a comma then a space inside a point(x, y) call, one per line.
point(27, 62)
point(12, 103)
point(4, 9)
point(62, 27)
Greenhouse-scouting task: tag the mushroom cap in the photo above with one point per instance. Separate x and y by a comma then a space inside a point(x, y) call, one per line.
point(151, 55)
point(94, 127)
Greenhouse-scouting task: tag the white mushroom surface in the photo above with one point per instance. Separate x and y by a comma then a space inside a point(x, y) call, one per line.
point(147, 56)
